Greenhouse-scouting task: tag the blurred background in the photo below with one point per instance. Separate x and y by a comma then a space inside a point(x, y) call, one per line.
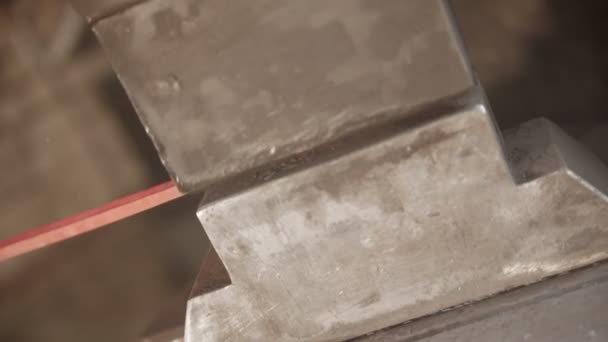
point(70, 141)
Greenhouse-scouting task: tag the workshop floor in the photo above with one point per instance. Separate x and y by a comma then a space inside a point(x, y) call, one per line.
point(70, 141)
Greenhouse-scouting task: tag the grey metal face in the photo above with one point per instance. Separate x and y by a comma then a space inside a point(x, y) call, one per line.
point(224, 87)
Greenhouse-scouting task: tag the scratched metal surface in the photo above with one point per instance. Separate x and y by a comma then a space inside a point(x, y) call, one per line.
point(423, 221)
point(571, 307)
point(225, 87)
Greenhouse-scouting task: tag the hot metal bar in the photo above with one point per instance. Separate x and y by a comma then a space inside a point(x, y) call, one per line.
point(88, 220)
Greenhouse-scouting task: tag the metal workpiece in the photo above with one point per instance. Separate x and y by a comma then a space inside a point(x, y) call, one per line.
point(418, 223)
point(225, 87)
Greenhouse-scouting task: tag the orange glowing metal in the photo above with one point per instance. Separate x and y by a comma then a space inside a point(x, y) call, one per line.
point(89, 220)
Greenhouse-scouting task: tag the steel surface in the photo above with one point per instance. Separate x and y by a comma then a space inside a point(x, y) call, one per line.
point(225, 87)
point(423, 221)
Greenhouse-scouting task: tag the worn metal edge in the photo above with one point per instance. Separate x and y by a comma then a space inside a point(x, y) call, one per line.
point(467, 313)
point(376, 133)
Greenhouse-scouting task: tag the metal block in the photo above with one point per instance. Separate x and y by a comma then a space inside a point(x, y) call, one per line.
point(426, 220)
point(225, 87)
point(571, 307)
